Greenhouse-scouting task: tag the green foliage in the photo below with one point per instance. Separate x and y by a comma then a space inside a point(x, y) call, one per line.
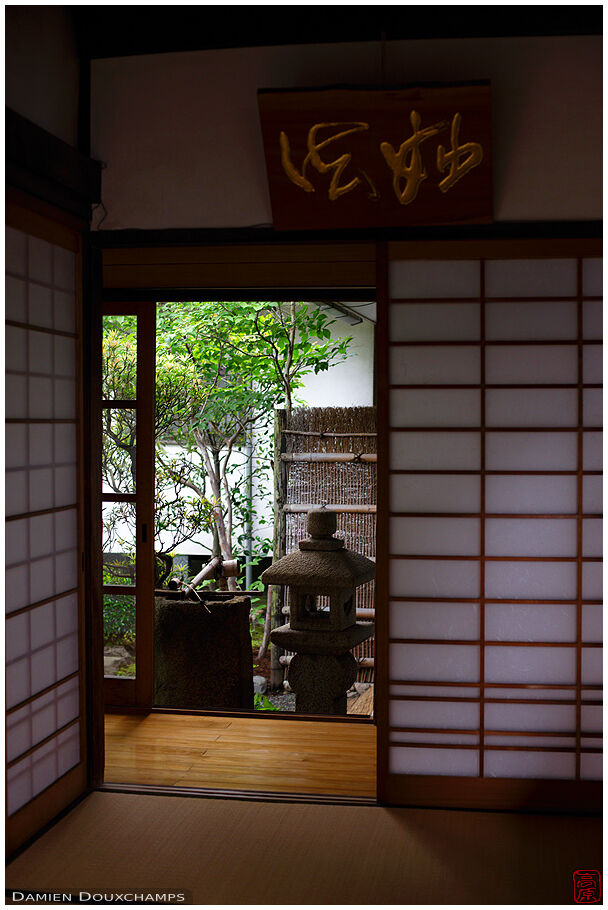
point(222, 368)
point(263, 703)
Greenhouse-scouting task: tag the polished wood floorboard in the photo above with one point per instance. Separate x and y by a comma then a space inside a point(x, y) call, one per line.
point(241, 753)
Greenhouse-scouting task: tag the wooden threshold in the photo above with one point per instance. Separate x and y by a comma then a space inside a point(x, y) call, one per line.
point(252, 755)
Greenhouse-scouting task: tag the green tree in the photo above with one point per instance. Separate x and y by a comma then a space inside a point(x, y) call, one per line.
point(222, 368)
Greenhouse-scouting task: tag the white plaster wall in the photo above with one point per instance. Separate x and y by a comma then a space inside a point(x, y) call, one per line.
point(181, 139)
point(42, 68)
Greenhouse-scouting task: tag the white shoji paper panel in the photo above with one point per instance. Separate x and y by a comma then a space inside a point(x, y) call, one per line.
point(421, 365)
point(592, 494)
point(65, 356)
point(65, 398)
point(434, 536)
point(65, 443)
point(15, 396)
point(40, 346)
point(40, 396)
point(435, 692)
point(531, 451)
point(591, 766)
point(592, 320)
point(592, 407)
point(531, 718)
point(507, 664)
point(530, 622)
point(592, 581)
point(457, 762)
point(15, 348)
point(28, 778)
point(447, 739)
point(15, 303)
point(538, 365)
point(592, 718)
point(435, 407)
point(531, 494)
point(40, 261)
point(16, 442)
point(531, 277)
point(434, 620)
point(16, 493)
point(41, 648)
point(16, 544)
point(435, 493)
point(443, 663)
point(40, 305)
point(435, 451)
point(413, 279)
point(40, 718)
point(532, 407)
point(16, 588)
point(592, 537)
point(451, 715)
point(591, 671)
point(592, 277)
point(592, 622)
point(41, 444)
point(64, 273)
point(434, 578)
point(542, 765)
point(434, 321)
point(592, 362)
point(531, 537)
point(531, 580)
point(15, 251)
point(531, 321)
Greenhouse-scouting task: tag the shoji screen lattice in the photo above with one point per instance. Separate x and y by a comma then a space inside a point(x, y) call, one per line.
point(494, 458)
point(43, 630)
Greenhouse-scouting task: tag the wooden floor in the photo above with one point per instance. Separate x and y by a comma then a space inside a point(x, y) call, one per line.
point(242, 753)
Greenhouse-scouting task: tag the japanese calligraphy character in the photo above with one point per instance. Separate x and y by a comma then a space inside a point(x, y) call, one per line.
point(413, 172)
point(314, 147)
point(453, 157)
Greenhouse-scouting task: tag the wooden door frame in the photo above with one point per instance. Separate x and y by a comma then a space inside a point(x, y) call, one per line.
point(138, 692)
point(137, 247)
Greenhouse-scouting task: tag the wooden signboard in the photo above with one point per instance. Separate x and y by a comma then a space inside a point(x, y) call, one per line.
point(354, 158)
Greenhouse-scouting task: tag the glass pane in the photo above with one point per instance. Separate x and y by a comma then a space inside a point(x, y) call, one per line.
point(119, 635)
point(118, 520)
point(119, 368)
point(119, 448)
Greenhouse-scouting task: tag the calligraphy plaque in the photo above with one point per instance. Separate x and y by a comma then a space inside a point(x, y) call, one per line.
point(353, 158)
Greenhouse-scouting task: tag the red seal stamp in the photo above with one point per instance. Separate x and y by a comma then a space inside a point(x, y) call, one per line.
point(587, 886)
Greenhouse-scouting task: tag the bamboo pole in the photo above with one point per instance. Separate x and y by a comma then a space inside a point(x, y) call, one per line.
point(278, 546)
point(295, 507)
point(361, 661)
point(364, 613)
point(330, 457)
point(321, 433)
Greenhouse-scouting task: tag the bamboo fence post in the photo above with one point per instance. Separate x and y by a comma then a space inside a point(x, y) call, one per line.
point(277, 672)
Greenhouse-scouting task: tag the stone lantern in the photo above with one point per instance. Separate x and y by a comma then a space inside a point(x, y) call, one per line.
point(322, 669)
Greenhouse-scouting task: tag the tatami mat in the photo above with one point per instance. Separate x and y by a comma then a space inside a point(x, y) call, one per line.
point(234, 851)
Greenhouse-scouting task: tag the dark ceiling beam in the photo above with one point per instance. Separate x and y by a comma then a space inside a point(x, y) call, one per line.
point(113, 31)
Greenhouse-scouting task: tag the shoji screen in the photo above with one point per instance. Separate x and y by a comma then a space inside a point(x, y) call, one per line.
point(44, 722)
point(494, 536)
